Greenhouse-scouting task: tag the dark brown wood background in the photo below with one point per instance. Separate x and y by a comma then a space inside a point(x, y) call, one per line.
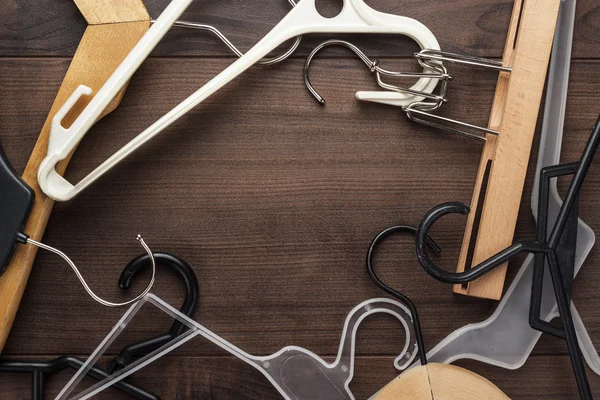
point(272, 198)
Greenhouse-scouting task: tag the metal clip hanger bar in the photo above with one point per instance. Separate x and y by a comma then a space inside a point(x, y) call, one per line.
point(438, 55)
point(420, 110)
point(435, 71)
point(415, 114)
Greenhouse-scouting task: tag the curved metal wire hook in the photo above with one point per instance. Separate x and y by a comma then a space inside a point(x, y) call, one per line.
point(555, 249)
point(393, 292)
point(84, 283)
point(440, 72)
point(190, 281)
point(264, 62)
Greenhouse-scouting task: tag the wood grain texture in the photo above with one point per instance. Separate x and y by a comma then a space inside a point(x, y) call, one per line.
point(489, 148)
point(226, 378)
point(509, 158)
point(93, 63)
point(449, 382)
point(273, 199)
point(55, 29)
point(98, 12)
point(440, 382)
point(411, 385)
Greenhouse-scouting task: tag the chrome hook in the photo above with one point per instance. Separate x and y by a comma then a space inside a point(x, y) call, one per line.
point(25, 239)
point(440, 73)
point(209, 28)
point(421, 111)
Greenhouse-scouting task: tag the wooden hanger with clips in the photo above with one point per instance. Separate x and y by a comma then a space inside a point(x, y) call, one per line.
point(114, 27)
point(505, 157)
point(508, 137)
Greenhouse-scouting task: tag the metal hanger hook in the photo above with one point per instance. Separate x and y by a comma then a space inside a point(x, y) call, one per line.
point(264, 62)
point(84, 283)
point(373, 65)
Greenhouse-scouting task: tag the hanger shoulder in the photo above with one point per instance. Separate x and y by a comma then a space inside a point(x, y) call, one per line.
point(411, 385)
point(449, 382)
point(107, 12)
point(440, 382)
point(100, 52)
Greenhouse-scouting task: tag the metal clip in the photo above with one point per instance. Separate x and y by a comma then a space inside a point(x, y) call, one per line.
point(433, 70)
point(421, 111)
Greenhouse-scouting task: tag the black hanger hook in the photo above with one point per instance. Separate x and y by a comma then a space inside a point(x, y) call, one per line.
point(422, 240)
point(190, 281)
point(408, 302)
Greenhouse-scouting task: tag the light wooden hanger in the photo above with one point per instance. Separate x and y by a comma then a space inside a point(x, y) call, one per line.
point(114, 27)
point(503, 167)
point(440, 382)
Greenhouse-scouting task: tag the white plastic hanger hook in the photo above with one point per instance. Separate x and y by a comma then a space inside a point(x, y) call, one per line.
point(355, 17)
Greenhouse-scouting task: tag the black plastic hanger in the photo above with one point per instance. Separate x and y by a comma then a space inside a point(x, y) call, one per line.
point(556, 249)
point(190, 281)
point(40, 370)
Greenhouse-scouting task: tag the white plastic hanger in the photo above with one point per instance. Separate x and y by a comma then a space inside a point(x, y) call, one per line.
point(355, 17)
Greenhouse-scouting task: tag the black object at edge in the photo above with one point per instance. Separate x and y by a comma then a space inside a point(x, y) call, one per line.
point(16, 200)
point(408, 302)
point(40, 369)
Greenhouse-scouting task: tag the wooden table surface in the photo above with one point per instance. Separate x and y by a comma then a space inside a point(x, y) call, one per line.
point(272, 198)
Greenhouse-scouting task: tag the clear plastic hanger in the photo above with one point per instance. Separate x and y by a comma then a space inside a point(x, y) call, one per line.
point(297, 373)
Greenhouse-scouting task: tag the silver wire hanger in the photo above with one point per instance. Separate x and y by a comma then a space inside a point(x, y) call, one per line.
point(210, 28)
point(16, 202)
point(419, 111)
point(27, 240)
